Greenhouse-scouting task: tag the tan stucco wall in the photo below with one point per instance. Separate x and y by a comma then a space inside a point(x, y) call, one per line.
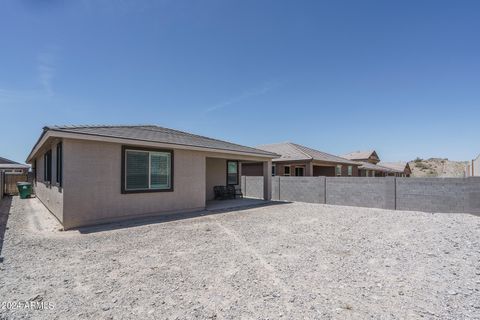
point(92, 176)
point(51, 195)
point(216, 175)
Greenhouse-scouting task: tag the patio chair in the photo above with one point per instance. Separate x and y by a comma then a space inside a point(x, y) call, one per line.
point(238, 192)
point(220, 192)
point(231, 192)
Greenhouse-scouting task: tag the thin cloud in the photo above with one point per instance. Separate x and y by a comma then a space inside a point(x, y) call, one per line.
point(246, 95)
point(46, 70)
point(44, 73)
point(7, 95)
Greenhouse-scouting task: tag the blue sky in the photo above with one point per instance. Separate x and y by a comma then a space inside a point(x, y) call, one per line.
point(401, 77)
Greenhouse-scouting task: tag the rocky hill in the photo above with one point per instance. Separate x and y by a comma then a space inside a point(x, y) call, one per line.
point(437, 167)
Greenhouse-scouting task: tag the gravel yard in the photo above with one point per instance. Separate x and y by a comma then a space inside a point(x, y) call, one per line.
point(291, 261)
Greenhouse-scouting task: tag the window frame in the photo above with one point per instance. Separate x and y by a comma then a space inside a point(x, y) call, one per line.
point(35, 170)
point(289, 171)
point(303, 171)
point(339, 168)
point(124, 189)
point(47, 166)
point(274, 170)
point(59, 164)
point(237, 175)
point(350, 171)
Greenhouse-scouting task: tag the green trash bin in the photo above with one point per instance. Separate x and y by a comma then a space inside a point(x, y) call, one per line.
point(24, 189)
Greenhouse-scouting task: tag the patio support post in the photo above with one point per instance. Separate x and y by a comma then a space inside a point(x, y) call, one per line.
point(267, 180)
point(309, 169)
point(240, 173)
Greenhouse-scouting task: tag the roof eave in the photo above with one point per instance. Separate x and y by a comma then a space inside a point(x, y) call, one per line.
point(53, 132)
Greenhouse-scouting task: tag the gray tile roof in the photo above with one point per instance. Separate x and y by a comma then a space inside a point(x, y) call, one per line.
point(397, 166)
point(10, 164)
point(13, 166)
point(5, 160)
point(376, 167)
point(152, 133)
point(357, 155)
point(294, 152)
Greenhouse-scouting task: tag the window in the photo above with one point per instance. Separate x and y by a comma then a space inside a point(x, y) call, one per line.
point(13, 171)
point(338, 170)
point(273, 170)
point(286, 170)
point(373, 173)
point(35, 170)
point(299, 171)
point(47, 166)
point(350, 170)
point(232, 172)
point(59, 164)
point(146, 170)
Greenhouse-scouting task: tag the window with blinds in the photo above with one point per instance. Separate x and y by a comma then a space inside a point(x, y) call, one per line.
point(232, 172)
point(147, 170)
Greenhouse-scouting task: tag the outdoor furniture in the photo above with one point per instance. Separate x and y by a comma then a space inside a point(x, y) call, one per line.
point(238, 192)
point(231, 192)
point(227, 192)
point(220, 192)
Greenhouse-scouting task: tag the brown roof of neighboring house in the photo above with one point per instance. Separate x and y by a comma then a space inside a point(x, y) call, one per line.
point(399, 166)
point(152, 133)
point(358, 155)
point(294, 152)
point(376, 167)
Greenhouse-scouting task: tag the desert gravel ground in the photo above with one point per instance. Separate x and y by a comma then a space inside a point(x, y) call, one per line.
point(290, 261)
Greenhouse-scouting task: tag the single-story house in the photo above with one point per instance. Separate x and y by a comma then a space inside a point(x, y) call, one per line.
point(367, 169)
point(93, 174)
point(402, 169)
point(12, 167)
point(369, 164)
point(298, 160)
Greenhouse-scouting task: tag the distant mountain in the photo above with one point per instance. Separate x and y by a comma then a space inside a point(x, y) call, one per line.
point(437, 167)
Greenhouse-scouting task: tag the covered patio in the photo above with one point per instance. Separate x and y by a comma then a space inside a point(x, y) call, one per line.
point(216, 205)
point(226, 171)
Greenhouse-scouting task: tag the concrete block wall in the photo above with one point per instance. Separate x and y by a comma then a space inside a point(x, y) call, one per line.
point(361, 192)
point(416, 194)
point(473, 191)
point(432, 194)
point(252, 186)
point(303, 189)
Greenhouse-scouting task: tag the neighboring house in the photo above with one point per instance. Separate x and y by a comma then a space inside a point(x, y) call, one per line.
point(12, 167)
point(369, 167)
point(402, 169)
point(92, 174)
point(298, 160)
point(370, 156)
